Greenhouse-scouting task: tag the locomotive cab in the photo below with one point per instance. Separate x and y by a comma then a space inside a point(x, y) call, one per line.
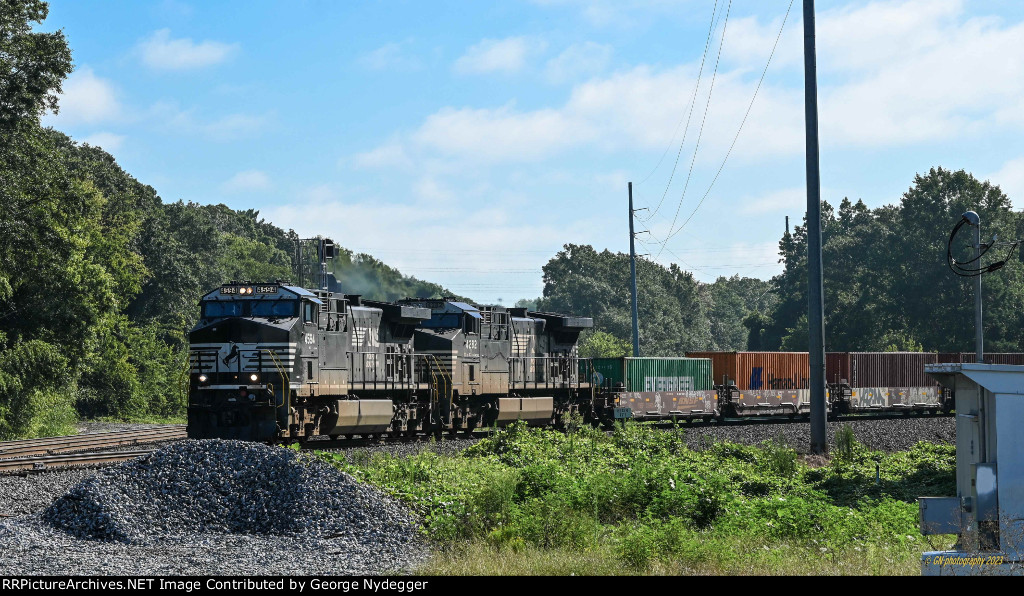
point(243, 358)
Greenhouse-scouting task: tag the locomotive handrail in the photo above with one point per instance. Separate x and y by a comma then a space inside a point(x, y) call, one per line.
point(559, 367)
point(284, 376)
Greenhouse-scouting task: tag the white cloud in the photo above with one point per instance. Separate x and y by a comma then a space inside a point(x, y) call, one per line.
point(578, 61)
point(391, 154)
point(617, 180)
point(428, 188)
point(898, 73)
point(625, 111)
point(501, 134)
point(473, 254)
point(234, 126)
point(894, 74)
point(175, 9)
point(498, 55)
point(107, 141)
point(162, 52)
point(788, 199)
point(247, 181)
point(391, 56)
point(86, 99)
point(748, 42)
point(225, 128)
point(620, 13)
point(1010, 178)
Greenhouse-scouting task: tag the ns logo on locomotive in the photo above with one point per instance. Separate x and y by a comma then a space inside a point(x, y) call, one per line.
point(279, 363)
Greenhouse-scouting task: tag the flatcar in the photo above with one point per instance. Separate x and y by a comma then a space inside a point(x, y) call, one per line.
point(724, 385)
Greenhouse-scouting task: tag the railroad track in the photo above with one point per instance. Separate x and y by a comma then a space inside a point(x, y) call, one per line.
point(77, 443)
point(358, 441)
point(46, 462)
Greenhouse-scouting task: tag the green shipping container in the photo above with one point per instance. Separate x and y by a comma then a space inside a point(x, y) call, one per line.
point(652, 374)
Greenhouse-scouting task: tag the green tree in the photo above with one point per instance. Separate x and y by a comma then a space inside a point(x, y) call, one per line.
point(600, 344)
point(673, 316)
point(732, 301)
point(887, 284)
point(33, 65)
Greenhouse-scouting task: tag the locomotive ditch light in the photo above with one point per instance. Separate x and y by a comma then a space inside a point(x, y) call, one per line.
point(254, 377)
point(202, 378)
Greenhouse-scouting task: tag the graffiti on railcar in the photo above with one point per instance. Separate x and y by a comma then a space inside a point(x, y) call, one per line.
point(668, 403)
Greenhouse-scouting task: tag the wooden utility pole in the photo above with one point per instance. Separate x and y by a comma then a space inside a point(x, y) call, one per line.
point(632, 276)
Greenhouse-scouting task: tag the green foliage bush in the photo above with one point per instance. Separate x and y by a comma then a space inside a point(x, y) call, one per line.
point(643, 494)
point(35, 391)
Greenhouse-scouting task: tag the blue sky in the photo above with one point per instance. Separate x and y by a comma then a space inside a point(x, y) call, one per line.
point(466, 142)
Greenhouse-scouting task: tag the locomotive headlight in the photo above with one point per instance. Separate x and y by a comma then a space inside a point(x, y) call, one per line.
point(254, 377)
point(202, 378)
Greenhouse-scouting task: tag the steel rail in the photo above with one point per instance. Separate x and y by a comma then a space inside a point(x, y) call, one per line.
point(56, 445)
point(59, 461)
point(113, 433)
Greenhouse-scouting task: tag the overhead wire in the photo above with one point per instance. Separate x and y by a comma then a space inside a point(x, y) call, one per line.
point(958, 268)
point(738, 130)
point(693, 103)
point(707, 106)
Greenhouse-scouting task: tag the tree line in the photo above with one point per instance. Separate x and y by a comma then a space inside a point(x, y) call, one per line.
point(887, 283)
point(99, 277)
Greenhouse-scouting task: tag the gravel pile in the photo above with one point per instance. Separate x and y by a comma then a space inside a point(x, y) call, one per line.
point(891, 434)
point(32, 493)
point(33, 547)
point(226, 487)
point(208, 507)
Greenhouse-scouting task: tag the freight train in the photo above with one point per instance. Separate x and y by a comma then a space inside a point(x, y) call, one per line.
point(718, 385)
point(278, 363)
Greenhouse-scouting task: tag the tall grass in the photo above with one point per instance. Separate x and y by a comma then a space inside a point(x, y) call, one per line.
point(639, 501)
point(845, 442)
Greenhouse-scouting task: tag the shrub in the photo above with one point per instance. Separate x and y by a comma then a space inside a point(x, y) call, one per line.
point(845, 442)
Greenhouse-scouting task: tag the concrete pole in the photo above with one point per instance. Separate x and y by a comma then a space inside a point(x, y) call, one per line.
point(815, 286)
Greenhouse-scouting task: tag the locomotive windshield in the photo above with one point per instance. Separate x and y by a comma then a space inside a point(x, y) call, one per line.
point(275, 308)
point(213, 309)
point(250, 308)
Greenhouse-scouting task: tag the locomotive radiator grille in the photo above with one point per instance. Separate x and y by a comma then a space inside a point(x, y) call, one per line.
point(232, 357)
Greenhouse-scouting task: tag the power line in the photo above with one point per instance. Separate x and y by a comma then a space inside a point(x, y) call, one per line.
point(693, 103)
point(740, 129)
point(707, 106)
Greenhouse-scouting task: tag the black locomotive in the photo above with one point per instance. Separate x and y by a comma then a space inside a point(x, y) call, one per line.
point(275, 362)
